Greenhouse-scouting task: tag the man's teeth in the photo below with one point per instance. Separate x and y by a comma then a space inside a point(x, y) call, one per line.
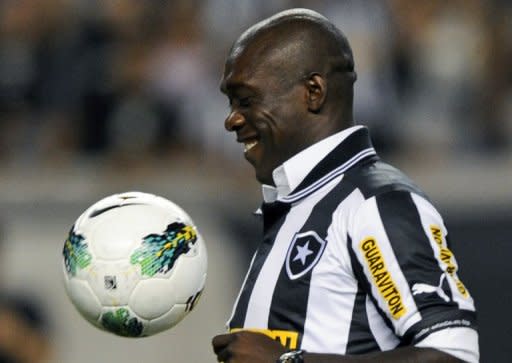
point(249, 145)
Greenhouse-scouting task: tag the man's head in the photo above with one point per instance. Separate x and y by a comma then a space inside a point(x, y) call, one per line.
point(289, 79)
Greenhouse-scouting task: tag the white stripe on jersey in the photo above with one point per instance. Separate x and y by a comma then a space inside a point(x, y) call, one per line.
point(261, 296)
point(240, 292)
point(430, 217)
point(459, 342)
point(330, 315)
point(370, 225)
point(383, 335)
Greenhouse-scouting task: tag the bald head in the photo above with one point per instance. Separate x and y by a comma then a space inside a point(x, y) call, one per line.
point(311, 35)
point(295, 44)
point(289, 80)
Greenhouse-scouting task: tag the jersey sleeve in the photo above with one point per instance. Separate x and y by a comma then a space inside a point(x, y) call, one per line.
point(400, 255)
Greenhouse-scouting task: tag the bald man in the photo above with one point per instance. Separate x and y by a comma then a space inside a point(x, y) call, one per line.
point(354, 265)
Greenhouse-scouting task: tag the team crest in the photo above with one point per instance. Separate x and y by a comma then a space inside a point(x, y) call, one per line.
point(303, 254)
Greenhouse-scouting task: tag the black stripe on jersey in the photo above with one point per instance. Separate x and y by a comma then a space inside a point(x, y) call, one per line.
point(289, 304)
point(274, 215)
point(412, 248)
point(410, 244)
point(446, 285)
point(446, 319)
point(360, 338)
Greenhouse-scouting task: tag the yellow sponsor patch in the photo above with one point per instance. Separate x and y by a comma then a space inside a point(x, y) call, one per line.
point(446, 257)
point(287, 338)
point(382, 278)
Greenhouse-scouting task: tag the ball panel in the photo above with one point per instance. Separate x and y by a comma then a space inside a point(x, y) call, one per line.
point(84, 299)
point(168, 320)
point(153, 298)
point(120, 230)
point(112, 281)
point(189, 276)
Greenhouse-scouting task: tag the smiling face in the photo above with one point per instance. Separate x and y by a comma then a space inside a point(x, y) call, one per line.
point(289, 80)
point(268, 111)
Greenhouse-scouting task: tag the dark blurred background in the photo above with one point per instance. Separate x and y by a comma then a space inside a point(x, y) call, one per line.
point(98, 97)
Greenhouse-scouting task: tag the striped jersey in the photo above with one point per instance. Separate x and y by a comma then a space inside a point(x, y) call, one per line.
point(354, 259)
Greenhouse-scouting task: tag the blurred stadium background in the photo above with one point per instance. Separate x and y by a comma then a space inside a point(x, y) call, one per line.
point(98, 97)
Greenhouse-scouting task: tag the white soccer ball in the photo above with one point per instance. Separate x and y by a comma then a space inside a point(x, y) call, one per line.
point(134, 264)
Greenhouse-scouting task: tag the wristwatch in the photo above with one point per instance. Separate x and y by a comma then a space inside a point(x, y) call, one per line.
point(294, 356)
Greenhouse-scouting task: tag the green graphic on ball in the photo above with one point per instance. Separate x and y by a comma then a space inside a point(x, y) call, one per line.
point(122, 323)
point(159, 252)
point(76, 253)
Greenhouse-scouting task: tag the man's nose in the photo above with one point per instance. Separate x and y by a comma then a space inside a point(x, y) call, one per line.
point(234, 121)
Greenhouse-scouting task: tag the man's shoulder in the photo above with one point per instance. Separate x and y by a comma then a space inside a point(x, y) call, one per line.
point(377, 177)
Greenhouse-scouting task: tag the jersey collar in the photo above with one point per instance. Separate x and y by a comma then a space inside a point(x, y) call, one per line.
point(315, 166)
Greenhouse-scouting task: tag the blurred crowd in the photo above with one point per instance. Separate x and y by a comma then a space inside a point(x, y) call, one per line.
point(138, 80)
point(25, 327)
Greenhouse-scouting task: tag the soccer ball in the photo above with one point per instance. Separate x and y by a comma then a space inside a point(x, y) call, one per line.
point(134, 264)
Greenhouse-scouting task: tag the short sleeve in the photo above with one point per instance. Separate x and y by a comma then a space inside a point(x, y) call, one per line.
point(400, 254)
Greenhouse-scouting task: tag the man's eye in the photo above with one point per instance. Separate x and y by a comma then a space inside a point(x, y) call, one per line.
point(244, 102)
point(240, 102)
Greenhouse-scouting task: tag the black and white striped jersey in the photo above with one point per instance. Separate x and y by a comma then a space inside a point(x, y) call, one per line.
point(355, 259)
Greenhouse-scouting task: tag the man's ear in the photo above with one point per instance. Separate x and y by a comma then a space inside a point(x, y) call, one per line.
point(316, 92)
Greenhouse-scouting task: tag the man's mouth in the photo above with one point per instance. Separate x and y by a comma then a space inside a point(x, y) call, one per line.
point(248, 145)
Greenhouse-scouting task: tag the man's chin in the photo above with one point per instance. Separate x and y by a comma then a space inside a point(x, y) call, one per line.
point(264, 178)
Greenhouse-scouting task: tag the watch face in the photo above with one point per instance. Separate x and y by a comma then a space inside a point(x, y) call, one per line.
point(294, 356)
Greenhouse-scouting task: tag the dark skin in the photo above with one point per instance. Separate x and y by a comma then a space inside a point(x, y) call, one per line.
point(289, 81)
point(285, 110)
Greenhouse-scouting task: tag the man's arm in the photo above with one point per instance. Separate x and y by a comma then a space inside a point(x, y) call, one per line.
point(250, 347)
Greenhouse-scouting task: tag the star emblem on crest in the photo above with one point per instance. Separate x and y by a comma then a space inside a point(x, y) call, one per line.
point(302, 253)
